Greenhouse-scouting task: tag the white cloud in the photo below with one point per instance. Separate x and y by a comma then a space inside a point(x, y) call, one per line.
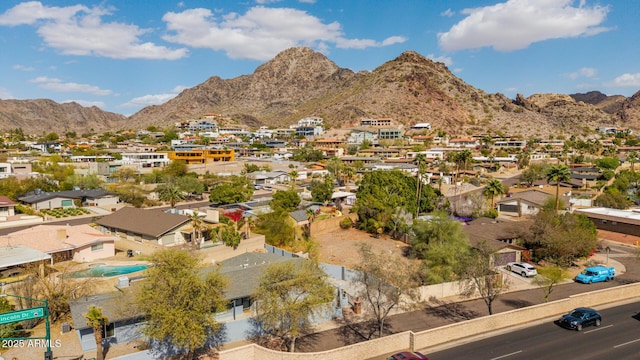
point(260, 33)
point(88, 103)
point(22, 67)
point(57, 85)
point(626, 80)
point(5, 93)
point(447, 13)
point(583, 72)
point(79, 30)
point(516, 24)
point(443, 59)
point(156, 99)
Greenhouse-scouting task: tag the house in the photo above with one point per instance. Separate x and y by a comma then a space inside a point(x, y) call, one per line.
point(376, 122)
point(499, 235)
point(268, 177)
point(299, 217)
point(80, 243)
point(39, 199)
point(523, 203)
point(7, 207)
point(154, 226)
point(618, 221)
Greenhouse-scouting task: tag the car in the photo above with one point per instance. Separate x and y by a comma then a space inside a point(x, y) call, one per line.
point(522, 268)
point(579, 318)
point(595, 274)
point(408, 355)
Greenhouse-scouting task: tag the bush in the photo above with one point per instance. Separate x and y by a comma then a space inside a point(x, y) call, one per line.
point(346, 223)
point(491, 213)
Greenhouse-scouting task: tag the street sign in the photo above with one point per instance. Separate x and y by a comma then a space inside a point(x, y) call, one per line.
point(21, 315)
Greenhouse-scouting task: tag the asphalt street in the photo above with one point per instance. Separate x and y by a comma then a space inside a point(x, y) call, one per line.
point(447, 312)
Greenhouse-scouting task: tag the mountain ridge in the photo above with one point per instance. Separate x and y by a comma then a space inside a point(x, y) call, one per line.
point(300, 82)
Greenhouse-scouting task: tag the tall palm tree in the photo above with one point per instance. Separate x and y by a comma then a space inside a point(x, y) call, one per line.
point(97, 320)
point(421, 162)
point(558, 173)
point(348, 172)
point(493, 189)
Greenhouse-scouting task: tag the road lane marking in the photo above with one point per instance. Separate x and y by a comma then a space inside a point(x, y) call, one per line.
point(504, 356)
point(597, 329)
point(627, 343)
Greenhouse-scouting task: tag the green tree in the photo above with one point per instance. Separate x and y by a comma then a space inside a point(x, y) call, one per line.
point(608, 163)
point(560, 239)
point(199, 227)
point(11, 329)
point(124, 174)
point(440, 242)
point(493, 189)
point(383, 288)
point(229, 236)
point(558, 174)
point(477, 275)
point(190, 185)
point(286, 200)
point(96, 320)
point(180, 303)
point(293, 175)
point(548, 277)
point(533, 173)
point(380, 193)
point(277, 228)
point(322, 191)
point(236, 189)
point(289, 296)
point(176, 168)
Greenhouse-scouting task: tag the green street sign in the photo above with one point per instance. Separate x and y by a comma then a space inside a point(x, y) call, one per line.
point(21, 315)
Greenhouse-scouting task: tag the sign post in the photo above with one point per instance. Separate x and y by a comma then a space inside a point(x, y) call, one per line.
point(30, 314)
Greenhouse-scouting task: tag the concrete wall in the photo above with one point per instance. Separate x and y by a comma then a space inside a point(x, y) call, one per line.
point(331, 224)
point(222, 252)
point(441, 335)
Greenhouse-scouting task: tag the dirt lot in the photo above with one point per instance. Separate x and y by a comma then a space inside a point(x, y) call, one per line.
point(340, 247)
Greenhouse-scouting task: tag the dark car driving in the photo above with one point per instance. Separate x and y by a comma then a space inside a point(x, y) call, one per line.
point(578, 318)
point(408, 355)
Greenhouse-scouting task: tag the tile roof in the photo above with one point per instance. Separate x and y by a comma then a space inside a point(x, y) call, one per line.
point(55, 238)
point(153, 222)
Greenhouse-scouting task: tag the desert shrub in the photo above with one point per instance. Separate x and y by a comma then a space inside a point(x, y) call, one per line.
point(346, 223)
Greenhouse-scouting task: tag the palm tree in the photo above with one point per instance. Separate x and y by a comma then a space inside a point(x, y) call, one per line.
point(170, 192)
point(558, 173)
point(493, 189)
point(293, 175)
point(348, 172)
point(97, 320)
point(421, 162)
point(632, 158)
point(249, 223)
point(198, 227)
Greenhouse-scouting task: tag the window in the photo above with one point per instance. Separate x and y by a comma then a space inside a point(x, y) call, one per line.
point(109, 330)
point(97, 247)
point(67, 203)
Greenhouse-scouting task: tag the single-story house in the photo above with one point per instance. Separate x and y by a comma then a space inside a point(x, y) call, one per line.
point(527, 202)
point(155, 226)
point(268, 177)
point(7, 206)
point(344, 197)
point(80, 243)
point(39, 199)
point(500, 236)
point(614, 220)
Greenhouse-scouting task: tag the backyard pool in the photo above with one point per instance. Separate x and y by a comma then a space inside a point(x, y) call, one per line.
point(107, 270)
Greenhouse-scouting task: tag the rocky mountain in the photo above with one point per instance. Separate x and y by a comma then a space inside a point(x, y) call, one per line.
point(300, 82)
point(44, 116)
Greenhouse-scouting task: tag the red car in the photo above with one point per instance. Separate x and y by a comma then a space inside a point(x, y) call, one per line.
point(408, 355)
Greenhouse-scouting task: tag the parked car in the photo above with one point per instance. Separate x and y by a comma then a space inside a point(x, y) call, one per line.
point(522, 269)
point(579, 318)
point(596, 274)
point(408, 355)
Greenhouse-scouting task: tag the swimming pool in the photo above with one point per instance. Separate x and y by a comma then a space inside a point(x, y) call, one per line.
point(107, 271)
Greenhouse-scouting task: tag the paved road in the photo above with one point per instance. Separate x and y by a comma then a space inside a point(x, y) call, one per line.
point(617, 338)
point(439, 314)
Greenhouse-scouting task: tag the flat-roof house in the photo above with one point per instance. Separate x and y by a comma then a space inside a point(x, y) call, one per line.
point(142, 225)
point(65, 199)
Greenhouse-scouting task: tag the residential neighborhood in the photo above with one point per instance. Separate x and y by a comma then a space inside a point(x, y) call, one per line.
point(105, 218)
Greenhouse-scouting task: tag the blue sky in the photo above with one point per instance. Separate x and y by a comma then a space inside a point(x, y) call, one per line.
point(123, 55)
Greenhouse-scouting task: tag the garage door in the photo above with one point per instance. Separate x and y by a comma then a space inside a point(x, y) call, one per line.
point(504, 258)
point(509, 208)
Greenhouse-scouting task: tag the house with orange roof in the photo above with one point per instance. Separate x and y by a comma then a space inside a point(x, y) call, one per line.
point(80, 243)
